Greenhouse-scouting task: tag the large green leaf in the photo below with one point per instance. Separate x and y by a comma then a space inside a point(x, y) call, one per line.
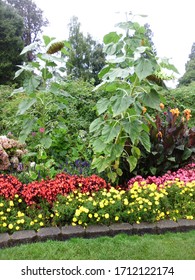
point(31, 84)
point(115, 73)
point(144, 68)
point(133, 129)
point(25, 105)
point(109, 132)
point(29, 48)
point(101, 163)
point(145, 140)
point(102, 105)
point(132, 162)
point(95, 125)
point(121, 104)
point(111, 37)
point(151, 99)
point(98, 146)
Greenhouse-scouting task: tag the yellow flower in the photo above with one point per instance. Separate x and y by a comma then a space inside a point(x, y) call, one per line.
point(19, 200)
point(4, 224)
point(106, 215)
point(17, 227)
point(8, 209)
point(175, 112)
point(144, 109)
point(116, 218)
point(1, 213)
point(1, 204)
point(16, 195)
point(11, 203)
point(74, 219)
point(96, 215)
point(40, 216)
point(10, 226)
point(90, 215)
point(41, 224)
point(80, 222)
point(51, 215)
point(32, 223)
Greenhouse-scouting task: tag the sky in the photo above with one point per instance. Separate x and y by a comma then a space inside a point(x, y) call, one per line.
point(172, 22)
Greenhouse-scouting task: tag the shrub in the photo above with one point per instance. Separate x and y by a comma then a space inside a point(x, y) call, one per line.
point(11, 152)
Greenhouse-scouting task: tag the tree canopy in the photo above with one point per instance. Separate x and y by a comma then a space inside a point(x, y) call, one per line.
point(189, 75)
point(11, 44)
point(32, 18)
point(86, 57)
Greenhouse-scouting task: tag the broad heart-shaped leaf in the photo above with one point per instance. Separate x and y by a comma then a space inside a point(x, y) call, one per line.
point(46, 142)
point(144, 67)
point(27, 128)
point(132, 162)
point(116, 73)
point(101, 163)
point(31, 84)
point(95, 125)
point(98, 145)
point(121, 104)
point(145, 140)
point(25, 105)
point(29, 48)
point(109, 132)
point(102, 105)
point(111, 37)
point(133, 129)
point(151, 99)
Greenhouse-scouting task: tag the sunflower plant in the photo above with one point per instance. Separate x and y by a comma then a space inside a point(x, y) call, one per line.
point(132, 78)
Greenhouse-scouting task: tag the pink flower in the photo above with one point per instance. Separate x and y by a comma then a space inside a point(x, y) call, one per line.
point(33, 133)
point(41, 129)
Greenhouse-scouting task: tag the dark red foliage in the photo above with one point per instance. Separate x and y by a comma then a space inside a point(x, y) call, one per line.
point(9, 186)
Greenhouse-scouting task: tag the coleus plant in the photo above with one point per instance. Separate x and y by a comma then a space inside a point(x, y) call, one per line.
point(132, 78)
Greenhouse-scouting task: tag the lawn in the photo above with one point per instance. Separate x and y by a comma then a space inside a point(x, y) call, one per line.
point(168, 246)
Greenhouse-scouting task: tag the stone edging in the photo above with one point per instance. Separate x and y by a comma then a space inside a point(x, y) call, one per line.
point(67, 232)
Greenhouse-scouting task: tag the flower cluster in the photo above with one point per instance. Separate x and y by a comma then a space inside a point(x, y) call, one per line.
point(11, 152)
point(185, 174)
point(74, 200)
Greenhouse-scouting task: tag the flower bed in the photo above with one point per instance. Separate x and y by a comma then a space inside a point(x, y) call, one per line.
point(75, 200)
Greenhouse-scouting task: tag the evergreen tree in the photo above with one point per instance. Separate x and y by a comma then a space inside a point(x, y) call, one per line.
point(11, 44)
point(86, 57)
point(189, 75)
point(33, 21)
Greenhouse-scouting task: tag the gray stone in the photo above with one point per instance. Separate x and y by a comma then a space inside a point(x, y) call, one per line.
point(97, 230)
point(71, 231)
point(166, 225)
point(121, 228)
point(4, 240)
point(143, 228)
point(185, 225)
point(23, 236)
point(52, 233)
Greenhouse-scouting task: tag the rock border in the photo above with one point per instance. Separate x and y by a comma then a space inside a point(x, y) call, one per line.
point(92, 231)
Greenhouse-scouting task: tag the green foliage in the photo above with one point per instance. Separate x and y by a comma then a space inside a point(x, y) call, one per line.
point(189, 75)
point(122, 123)
point(86, 57)
point(182, 98)
point(11, 28)
point(172, 144)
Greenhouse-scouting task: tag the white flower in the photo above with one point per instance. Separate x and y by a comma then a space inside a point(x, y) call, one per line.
point(32, 164)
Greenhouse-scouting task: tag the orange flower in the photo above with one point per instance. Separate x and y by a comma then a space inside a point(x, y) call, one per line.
point(162, 106)
point(175, 112)
point(187, 114)
point(159, 134)
point(144, 110)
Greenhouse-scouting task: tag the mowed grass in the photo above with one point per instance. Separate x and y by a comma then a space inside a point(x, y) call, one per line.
point(168, 246)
